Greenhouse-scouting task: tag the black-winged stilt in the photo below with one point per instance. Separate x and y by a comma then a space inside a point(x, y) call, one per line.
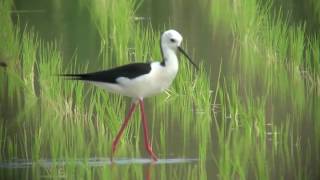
point(140, 80)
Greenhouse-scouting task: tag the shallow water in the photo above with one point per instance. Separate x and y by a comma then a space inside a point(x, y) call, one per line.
point(71, 25)
point(21, 168)
point(91, 162)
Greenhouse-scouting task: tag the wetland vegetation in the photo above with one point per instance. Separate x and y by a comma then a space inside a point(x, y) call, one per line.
point(251, 111)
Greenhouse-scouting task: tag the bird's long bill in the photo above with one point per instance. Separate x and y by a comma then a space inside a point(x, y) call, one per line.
point(188, 57)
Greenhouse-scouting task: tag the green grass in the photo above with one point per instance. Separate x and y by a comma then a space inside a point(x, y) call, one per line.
point(261, 129)
point(60, 119)
point(259, 121)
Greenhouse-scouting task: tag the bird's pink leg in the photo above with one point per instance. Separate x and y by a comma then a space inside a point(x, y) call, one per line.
point(145, 131)
point(123, 126)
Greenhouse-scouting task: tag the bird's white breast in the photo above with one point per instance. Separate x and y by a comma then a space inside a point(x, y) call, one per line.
point(157, 80)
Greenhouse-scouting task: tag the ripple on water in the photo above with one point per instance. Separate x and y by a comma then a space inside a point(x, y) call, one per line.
point(94, 162)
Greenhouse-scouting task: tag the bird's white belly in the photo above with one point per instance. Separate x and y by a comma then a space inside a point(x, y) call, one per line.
point(158, 80)
point(146, 85)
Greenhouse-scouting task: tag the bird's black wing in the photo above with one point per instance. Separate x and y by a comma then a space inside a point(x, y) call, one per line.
point(130, 71)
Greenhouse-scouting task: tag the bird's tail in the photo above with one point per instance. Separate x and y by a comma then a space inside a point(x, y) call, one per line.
point(72, 76)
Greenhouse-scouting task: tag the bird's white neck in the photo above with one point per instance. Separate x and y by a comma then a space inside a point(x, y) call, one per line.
point(170, 59)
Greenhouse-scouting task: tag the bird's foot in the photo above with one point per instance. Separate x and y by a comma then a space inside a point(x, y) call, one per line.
point(152, 154)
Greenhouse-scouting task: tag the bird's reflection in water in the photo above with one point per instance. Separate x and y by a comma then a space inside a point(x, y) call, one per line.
point(148, 171)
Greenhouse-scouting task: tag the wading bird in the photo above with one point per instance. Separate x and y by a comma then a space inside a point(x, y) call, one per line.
point(140, 80)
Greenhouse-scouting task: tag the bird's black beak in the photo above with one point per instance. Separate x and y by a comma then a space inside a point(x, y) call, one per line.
point(187, 56)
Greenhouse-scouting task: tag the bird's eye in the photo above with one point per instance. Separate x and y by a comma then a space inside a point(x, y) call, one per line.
point(172, 40)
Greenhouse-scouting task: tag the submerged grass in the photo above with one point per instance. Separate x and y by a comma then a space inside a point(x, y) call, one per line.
point(256, 128)
point(60, 119)
point(264, 112)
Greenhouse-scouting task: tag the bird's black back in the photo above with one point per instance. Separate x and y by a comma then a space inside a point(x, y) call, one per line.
point(130, 71)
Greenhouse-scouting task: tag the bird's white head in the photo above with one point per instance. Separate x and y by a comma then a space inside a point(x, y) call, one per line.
point(171, 41)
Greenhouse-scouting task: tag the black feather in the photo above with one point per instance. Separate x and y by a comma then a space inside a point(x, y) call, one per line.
point(130, 71)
